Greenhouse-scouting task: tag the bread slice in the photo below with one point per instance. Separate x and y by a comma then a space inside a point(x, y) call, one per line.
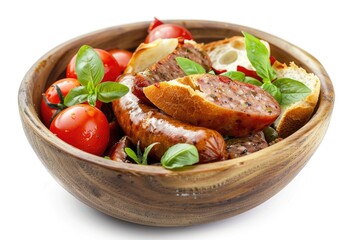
point(230, 107)
point(227, 54)
point(148, 54)
point(296, 115)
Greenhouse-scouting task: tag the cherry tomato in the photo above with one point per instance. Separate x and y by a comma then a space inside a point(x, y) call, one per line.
point(122, 57)
point(168, 30)
point(84, 127)
point(111, 67)
point(154, 24)
point(48, 110)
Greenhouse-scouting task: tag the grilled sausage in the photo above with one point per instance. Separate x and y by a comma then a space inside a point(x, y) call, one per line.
point(147, 124)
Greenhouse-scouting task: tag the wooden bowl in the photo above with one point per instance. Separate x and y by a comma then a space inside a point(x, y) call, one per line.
point(152, 195)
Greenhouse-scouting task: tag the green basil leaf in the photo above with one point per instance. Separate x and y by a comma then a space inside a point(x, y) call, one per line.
point(189, 67)
point(146, 152)
point(273, 90)
point(76, 95)
point(132, 154)
point(258, 56)
point(139, 153)
point(88, 66)
point(252, 81)
point(234, 75)
point(110, 91)
point(180, 155)
point(291, 90)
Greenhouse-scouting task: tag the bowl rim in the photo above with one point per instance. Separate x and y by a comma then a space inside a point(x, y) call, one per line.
point(28, 112)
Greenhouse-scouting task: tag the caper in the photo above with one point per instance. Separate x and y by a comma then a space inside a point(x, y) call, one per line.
point(270, 134)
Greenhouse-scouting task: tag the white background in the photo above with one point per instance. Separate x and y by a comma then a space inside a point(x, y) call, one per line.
point(320, 203)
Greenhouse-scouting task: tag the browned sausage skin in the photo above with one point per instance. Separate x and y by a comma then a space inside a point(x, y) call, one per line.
point(147, 124)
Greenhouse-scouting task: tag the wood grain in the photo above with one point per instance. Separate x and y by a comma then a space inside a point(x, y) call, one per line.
point(152, 195)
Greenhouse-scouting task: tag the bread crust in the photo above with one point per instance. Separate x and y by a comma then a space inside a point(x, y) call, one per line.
point(232, 50)
point(295, 116)
point(183, 100)
point(292, 117)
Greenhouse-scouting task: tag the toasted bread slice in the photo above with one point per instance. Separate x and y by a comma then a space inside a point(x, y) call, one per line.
point(168, 69)
point(148, 54)
point(227, 54)
point(230, 107)
point(296, 115)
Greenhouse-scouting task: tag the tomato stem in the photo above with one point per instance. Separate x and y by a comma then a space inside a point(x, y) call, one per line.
point(58, 106)
point(59, 93)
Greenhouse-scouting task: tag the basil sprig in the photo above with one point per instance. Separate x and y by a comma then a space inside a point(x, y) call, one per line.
point(180, 155)
point(90, 71)
point(285, 90)
point(177, 156)
point(139, 157)
point(258, 56)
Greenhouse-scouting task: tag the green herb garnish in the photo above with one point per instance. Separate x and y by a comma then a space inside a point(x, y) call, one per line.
point(258, 56)
point(252, 81)
point(90, 71)
point(180, 155)
point(234, 75)
point(291, 90)
point(273, 90)
point(139, 157)
point(189, 67)
point(285, 90)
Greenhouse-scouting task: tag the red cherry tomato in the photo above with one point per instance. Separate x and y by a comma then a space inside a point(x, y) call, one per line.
point(48, 110)
point(84, 127)
point(168, 30)
point(154, 24)
point(122, 57)
point(111, 67)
